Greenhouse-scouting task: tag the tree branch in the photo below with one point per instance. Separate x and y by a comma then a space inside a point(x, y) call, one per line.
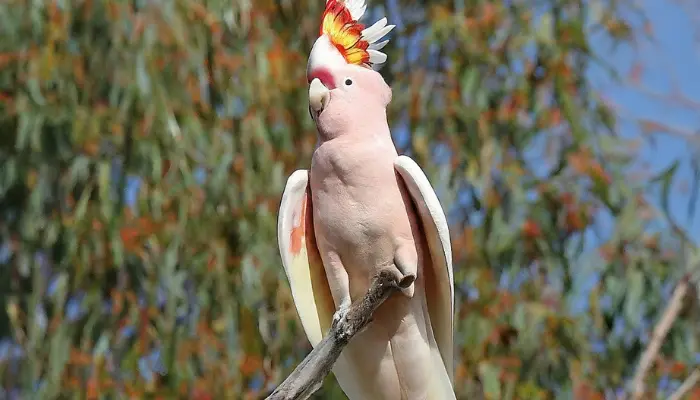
point(689, 383)
point(308, 376)
point(660, 331)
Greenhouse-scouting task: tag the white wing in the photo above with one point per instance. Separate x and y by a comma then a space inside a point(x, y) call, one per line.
point(439, 284)
point(301, 259)
point(305, 273)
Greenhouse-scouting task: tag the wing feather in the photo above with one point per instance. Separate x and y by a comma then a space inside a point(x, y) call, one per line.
point(440, 294)
point(301, 259)
point(305, 273)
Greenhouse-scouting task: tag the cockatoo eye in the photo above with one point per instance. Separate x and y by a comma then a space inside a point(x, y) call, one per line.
point(348, 81)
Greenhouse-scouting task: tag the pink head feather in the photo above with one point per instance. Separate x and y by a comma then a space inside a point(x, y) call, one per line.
point(351, 96)
point(356, 104)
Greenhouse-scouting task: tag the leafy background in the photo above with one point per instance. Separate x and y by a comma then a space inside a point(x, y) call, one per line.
point(145, 146)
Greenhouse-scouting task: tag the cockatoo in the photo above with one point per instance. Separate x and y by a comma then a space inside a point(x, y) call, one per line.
point(362, 208)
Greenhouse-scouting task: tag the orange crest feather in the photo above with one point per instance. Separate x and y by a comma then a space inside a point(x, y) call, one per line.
point(345, 33)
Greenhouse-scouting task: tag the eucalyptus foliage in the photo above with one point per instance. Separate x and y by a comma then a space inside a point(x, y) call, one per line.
point(145, 146)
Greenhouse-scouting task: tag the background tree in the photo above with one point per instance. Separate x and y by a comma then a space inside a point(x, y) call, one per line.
point(146, 144)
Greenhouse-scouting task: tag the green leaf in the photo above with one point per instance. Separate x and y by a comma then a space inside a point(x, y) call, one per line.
point(489, 375)
point(544, 29)
point(469, 81)
point(104, 188)
point(635, 293)
point(665, 178)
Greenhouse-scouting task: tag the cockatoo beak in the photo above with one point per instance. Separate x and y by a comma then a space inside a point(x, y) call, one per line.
point(319, 95)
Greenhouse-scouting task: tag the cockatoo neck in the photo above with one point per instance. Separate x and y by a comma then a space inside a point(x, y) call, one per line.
point(361, 124)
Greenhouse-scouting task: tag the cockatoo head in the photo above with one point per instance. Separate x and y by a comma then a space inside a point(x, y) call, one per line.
point(343, 87)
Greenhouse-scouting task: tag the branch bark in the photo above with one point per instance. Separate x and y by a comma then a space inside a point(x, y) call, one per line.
point(689, 383)
point(660, 331)
point(308, 376)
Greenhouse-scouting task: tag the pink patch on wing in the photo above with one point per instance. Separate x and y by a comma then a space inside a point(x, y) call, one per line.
point(297, 233)
point(324, 76)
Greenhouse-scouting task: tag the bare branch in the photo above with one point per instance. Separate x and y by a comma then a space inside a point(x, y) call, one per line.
point(675, 97)
point(660, 331)
point(689, 383)
point(650, 127)
point(308, 376)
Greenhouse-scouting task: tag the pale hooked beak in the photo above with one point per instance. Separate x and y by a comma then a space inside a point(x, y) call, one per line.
point(318, 96)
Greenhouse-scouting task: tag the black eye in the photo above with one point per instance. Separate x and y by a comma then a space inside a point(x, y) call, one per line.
point(348, 82)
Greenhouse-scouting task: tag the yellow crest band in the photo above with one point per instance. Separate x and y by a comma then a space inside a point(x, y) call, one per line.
point(344, 32)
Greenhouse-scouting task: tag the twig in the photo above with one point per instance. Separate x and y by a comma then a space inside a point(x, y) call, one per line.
point(660, 330)
point(308, 376)
point(688, 384)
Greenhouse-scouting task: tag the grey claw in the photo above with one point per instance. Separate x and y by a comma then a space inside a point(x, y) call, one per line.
point(340, 314)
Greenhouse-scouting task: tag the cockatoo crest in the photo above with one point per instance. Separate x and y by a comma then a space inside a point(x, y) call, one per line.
point(343, 40)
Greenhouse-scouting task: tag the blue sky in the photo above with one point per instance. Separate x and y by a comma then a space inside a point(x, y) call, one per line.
point(670, 63)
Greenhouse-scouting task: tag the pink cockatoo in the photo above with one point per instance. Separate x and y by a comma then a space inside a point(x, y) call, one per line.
point(362, 208)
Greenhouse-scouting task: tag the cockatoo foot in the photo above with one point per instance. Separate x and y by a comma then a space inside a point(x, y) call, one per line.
point(341, 313)
point(405, 279)
point(406, 269)
point(340, 322)
point(411, 288)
